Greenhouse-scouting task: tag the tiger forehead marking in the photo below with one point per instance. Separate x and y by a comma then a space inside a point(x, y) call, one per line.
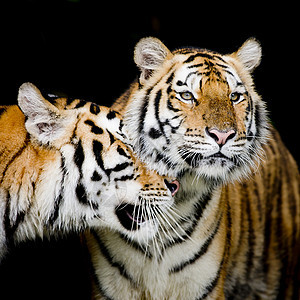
point(211, 80)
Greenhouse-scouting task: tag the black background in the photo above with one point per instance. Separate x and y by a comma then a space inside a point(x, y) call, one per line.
point(84, 49)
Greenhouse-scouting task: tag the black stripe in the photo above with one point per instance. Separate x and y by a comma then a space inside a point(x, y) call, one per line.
point(59, 199)
point(111, 137)
point(249, 110)
point(69, 101)
point(230, 73)
point(111, 260)
point(160, 157)
point(80, 188)
point(195, 66)
point(81, 194)
point(156, 109)
point(199, 54)
point(212, 56)
point(281, 234)
point(57, 202)
point(92, 270)
point(200, 207)
point(125, 177)
point(154, 133)
point(135, 245)
point(121, 151)
point(111, 115)
point(171, 107)
point(120, 167)
point(144, 108)
point(180, 83)
point(78, 157)
point(95, 129)
point(201, 252)
point(6, 220)
point(212, 284)
point(222, 66)
point(251, 237)
point(170, 78)
point(80, 104)
point(2, 110)
point(9, 227)
point(96, 176)
point(94, 109)
point(97, 149)
point(191, 158)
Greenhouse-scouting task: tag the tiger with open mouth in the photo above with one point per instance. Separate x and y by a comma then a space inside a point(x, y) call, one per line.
point(66, 165)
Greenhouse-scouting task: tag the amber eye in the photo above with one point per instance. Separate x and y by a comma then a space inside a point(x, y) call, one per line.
point(234, 97)
point(187, 96)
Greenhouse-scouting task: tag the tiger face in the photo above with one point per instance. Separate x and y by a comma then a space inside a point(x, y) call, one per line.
point(100, 177)
point(197, 110)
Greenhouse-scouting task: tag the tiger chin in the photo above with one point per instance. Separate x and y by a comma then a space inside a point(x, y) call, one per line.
point(195, 114)
point(66, 165)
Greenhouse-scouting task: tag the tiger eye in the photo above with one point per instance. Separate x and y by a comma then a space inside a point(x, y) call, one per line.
point(187, 96)
point(235, 97)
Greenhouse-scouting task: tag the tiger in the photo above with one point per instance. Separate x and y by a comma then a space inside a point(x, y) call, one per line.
point(65, 166)
point(233, 230)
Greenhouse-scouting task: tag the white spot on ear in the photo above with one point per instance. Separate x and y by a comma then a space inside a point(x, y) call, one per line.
point(249, 54)
point(149, 54)
point(44, 121)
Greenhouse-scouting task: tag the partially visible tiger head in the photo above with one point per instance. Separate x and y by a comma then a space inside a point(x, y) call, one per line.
point(98, 168)
point(195, 109)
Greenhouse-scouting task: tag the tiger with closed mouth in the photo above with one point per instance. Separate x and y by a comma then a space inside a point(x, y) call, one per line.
point(234, 233)
point(66, 165)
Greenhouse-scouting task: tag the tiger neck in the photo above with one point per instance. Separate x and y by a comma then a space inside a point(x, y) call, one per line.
point(152, 268)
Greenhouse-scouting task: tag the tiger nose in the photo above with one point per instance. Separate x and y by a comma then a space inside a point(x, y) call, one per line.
point(221, 137)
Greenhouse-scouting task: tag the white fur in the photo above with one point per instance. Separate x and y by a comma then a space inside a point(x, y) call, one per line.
point(149, 54)
point(250, 54)
point(152, 276)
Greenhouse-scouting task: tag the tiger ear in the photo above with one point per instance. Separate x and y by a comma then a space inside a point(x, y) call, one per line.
point(249, 54)
point(149, 54)
point(43, 120)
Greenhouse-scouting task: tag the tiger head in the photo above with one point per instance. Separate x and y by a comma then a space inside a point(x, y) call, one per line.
point(197, 110)
point(100, 176)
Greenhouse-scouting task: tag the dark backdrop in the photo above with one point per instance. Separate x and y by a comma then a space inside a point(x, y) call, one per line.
point(84, 49)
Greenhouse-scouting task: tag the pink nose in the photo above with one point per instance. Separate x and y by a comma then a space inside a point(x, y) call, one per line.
point(221, 137)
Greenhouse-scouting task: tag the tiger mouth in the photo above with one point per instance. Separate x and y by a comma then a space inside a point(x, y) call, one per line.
point(131, 216)
point(194, 159)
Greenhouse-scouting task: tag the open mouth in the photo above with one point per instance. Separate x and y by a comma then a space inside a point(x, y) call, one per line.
point(131, 216)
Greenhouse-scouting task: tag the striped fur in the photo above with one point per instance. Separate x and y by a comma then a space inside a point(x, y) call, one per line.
point(233, 231)
point(66, 166)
